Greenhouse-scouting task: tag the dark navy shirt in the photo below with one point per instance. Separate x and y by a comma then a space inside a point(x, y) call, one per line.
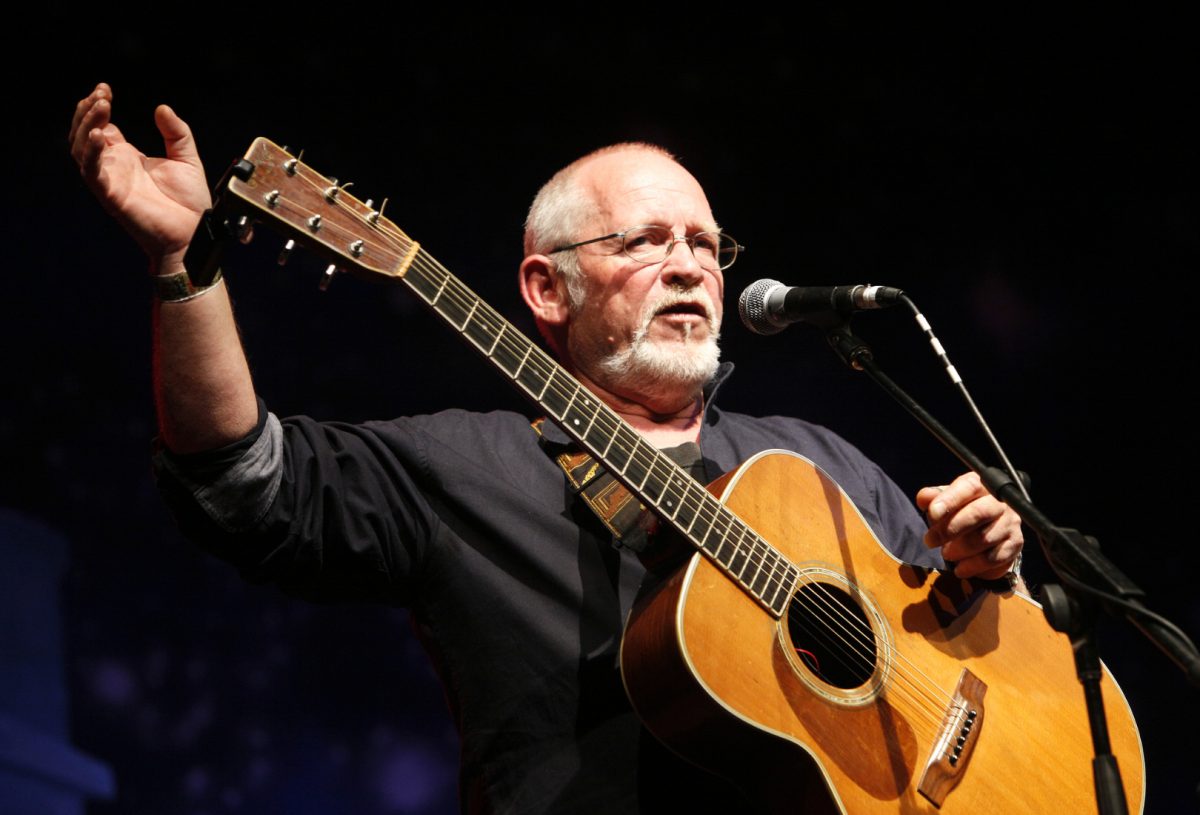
point(516, 589)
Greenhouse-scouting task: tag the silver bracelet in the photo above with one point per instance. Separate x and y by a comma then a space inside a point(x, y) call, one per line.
point(178, 288)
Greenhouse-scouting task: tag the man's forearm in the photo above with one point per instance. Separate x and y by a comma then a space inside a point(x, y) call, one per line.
point(202, 384)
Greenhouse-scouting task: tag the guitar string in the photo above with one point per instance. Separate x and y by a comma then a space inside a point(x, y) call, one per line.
point(925, 694)
point(759, 550)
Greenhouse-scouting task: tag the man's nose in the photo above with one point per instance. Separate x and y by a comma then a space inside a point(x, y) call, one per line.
point(681, 268)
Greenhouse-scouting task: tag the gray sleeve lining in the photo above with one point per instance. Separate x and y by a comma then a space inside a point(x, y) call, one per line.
point(238, 496)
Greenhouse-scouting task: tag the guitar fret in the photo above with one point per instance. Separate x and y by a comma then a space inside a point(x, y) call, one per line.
point(786, 586)
point(470, 314)
point(542, 392)
point(524, 359)
point(705, 512)
point(759, 561)
point(723, 560)
point(611, 438)
point(571, 401)
point(481, 328)
point(764, 579)
point(620, 446)
point(770, 590)
point(683, 493)
point(595, 413)
point(638, 465)
point(572, 419)
point(747, 553)
point(499, 334)
point(711, 522)
point(533, 378)
point(441, 289)
point(666, 491)
point(738, 562)
point(758, 581)
point(683, 505)
point(452, 309)
point(553, 399)
point(653, 498)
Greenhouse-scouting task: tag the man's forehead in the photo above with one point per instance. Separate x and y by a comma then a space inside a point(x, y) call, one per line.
point(643, 180)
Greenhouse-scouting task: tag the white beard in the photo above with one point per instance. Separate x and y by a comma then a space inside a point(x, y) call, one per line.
point(664, 367)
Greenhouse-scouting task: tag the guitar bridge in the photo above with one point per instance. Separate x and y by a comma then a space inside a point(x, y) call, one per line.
point(956, 740)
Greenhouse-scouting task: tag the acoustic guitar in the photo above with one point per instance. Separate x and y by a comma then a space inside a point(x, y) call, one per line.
point(791, 652)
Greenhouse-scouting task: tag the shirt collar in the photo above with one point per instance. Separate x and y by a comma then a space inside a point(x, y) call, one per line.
point(554, 434)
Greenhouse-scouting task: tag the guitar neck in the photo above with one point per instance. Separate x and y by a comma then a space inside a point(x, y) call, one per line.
point(315, 210)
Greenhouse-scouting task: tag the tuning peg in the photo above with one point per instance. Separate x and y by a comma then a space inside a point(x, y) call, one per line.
point(375, 215)
point(331, 192)
point(291, 164)
point(244, 230)
point(286, 251)
point(327, 278)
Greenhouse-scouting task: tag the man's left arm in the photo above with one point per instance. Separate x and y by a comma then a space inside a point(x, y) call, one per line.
point(978, 533)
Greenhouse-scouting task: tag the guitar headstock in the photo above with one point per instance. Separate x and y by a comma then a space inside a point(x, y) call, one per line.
point(280, 189)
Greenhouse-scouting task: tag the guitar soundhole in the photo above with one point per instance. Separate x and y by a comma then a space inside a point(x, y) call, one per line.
point(831, 635)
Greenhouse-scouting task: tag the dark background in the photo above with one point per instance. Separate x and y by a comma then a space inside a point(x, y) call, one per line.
point(1030, 181)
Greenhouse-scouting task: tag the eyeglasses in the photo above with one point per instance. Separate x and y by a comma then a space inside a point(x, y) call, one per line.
point(652, 244)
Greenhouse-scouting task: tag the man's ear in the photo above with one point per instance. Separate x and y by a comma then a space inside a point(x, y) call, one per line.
point(545, 292)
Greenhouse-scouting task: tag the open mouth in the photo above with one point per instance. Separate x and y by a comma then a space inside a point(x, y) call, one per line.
point(695, 309)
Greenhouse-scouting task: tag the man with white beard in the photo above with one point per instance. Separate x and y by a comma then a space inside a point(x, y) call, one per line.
point(471, 520)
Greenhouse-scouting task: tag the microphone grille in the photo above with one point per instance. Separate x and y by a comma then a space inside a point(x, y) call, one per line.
point(752, 307)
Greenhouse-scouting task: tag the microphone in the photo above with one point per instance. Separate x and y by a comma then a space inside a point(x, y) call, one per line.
point(768, 306)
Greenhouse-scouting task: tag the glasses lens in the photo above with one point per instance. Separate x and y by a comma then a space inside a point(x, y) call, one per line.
point(652, 244)
point(714, 250)
point(648, 244)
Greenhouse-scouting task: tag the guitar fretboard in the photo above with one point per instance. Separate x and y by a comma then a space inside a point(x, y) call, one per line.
point(655, 478)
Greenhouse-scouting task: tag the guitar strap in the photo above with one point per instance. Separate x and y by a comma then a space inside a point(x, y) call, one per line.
point(617, 508)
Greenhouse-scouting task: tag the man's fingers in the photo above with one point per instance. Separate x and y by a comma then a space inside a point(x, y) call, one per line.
point(954, 496)
point(101, 91)
point(96, 141)
point(96, 116)
point(177, 136)
point(926, 495)
point(990, 564)
point(978, 514)
point(961, 547)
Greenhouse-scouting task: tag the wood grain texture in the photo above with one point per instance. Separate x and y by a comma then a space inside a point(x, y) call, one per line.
point(709, 672)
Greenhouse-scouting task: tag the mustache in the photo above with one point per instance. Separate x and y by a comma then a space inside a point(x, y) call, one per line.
point(675, 297)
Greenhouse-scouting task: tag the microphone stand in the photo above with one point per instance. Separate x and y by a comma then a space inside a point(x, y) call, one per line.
point(1089, 580)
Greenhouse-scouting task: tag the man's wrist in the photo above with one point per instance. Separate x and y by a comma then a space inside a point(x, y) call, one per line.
point(177, 287)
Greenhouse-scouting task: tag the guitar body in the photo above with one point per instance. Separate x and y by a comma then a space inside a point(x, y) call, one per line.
point(721, 680)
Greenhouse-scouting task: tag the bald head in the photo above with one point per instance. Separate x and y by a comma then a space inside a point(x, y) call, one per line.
point(565, 204)
point(580, 194)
